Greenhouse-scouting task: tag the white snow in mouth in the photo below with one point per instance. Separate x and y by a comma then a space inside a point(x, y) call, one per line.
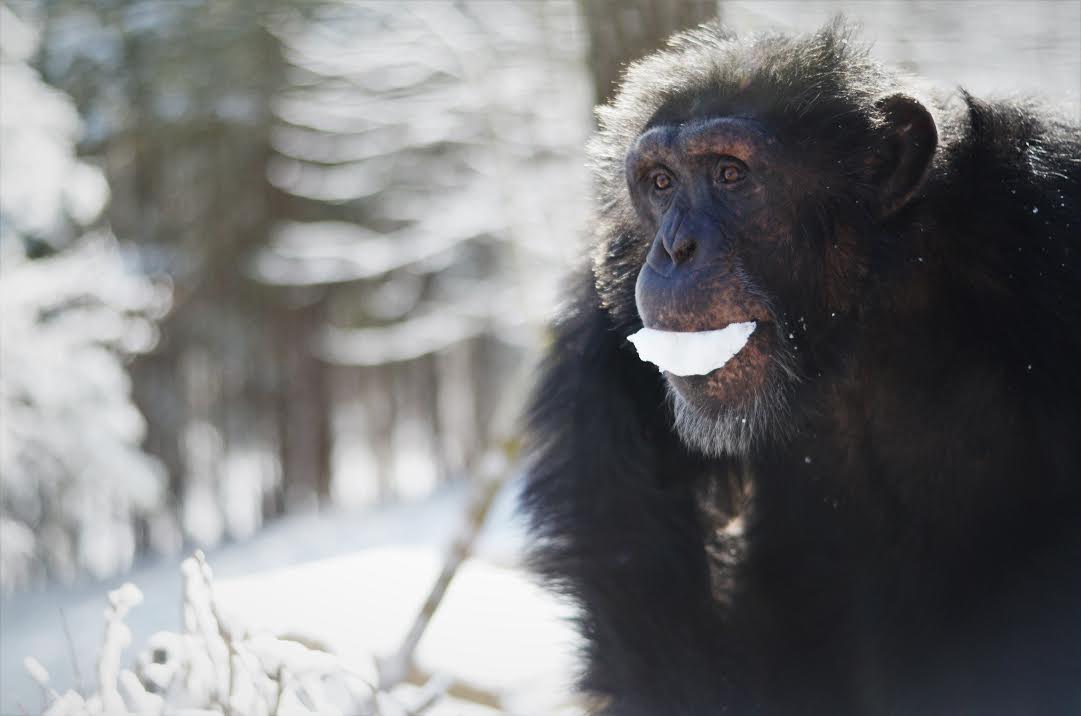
point(692, 353)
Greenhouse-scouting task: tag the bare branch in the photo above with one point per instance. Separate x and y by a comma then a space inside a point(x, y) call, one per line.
point(493, 472)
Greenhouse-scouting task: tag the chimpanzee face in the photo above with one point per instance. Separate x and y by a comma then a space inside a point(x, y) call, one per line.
point(735, 268)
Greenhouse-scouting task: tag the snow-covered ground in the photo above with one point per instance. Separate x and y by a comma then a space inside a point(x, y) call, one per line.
point(351, 582)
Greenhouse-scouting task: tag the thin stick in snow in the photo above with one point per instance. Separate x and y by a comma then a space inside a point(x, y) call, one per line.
point(493, 472)
point(456, 688)
point(80, 685)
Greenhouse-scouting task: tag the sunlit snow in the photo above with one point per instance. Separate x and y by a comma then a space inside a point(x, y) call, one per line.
point(322, 622)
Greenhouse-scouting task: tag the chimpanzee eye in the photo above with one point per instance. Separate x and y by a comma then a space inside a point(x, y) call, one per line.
point(662, 181)
point(730, 172)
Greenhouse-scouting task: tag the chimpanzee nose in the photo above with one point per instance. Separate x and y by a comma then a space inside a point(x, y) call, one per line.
point(681, 249)
point(669, 253)
point(679, 240)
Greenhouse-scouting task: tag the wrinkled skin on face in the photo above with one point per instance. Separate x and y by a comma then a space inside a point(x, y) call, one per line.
point(734, 216)
point(704, 189)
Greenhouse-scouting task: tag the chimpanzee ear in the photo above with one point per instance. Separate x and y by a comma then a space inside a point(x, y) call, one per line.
point(905, 151)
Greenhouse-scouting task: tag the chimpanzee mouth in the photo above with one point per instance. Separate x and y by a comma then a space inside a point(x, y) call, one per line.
point(688, 353)
point(724, 384)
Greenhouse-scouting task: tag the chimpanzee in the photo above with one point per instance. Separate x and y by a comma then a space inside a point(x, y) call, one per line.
point(854, 485)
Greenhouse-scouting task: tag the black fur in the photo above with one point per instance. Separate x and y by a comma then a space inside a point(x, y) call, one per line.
point(913, 546)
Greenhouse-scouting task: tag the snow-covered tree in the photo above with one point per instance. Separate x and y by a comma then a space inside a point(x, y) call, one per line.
point(432, 156)
point(74, 482)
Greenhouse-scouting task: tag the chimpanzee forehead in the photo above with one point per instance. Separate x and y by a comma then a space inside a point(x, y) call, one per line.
point(738, 136)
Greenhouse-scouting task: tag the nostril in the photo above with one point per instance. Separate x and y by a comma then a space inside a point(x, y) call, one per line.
point(683, 251)
point(659, 259)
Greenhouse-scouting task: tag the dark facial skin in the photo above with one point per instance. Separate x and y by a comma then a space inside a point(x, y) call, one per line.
point(739, 235)
point(711, 191)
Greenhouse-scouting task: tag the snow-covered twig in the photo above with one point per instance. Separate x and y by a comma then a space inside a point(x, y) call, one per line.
point(212, 668)
point(117, 638)
point(41, 675)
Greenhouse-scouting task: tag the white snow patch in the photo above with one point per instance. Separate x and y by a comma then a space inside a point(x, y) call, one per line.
point(495, 627)
point(692, 353)
point(361, 577)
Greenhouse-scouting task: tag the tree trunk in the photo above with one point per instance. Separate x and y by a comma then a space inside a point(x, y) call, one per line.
point(622, 32)
point(304, 418)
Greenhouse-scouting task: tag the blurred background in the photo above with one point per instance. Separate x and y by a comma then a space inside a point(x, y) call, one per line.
point(274, 275)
